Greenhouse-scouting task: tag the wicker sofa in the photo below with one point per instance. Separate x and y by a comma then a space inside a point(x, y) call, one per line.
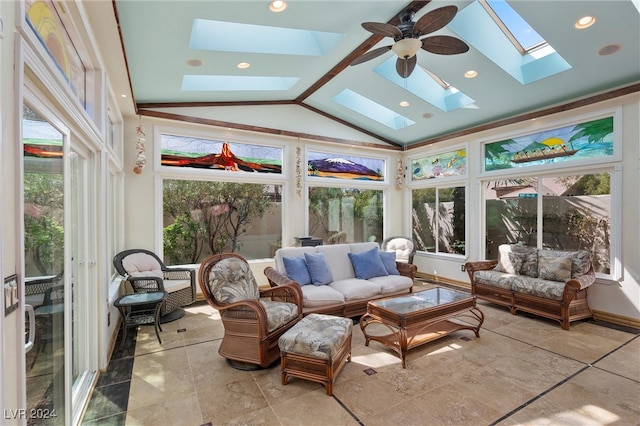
point(347, 293)
point(550, 283)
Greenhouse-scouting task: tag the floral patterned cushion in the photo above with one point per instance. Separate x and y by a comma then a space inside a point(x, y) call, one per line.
point(493, 278)
point(535, 286)
point(553, 268)
point(516, 254)
point(279, 313)
point(231, 280)
point(317, 335)
point(511, 263)
point(580, 260)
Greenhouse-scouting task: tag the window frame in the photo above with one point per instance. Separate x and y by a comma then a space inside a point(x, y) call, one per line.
point(615, 172)
point(177, 173)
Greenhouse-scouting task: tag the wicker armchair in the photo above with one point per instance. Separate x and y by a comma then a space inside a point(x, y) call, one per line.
point(403, 246)
point(145, 272)
point(253, 318)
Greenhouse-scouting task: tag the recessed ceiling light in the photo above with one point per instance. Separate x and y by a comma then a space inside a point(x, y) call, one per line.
point(585, 22)
point(243, 65)
point(609, 49)
point(427, 115)
point(404, 104)
point(195, 62)
point(471, 74)
point(277, 5)
point(123, 96)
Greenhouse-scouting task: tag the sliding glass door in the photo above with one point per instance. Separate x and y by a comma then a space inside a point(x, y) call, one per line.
point(59, 270)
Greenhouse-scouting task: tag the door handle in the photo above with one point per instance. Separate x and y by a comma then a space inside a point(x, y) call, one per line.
point(28, 309)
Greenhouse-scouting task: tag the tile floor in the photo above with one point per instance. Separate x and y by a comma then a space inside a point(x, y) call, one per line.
point(522, 370)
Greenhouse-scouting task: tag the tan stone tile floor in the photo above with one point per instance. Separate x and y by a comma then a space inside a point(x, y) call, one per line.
point(522, 370)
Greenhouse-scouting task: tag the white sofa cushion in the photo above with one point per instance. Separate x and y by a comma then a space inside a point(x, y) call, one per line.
point(316, 296)
point(393, 283)
point(338, 259)
point(356, 289)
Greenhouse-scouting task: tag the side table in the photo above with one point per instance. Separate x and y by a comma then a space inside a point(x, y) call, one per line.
point(136, 317)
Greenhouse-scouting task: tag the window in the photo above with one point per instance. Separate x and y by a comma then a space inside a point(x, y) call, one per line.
point(203, 218)
point(575, 209)
point(438, 219)
point(346, 215)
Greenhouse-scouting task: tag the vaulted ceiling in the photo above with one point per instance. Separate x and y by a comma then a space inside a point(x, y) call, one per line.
point(181, 60)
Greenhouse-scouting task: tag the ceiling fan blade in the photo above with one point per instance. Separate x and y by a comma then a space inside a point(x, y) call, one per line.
point(434, 20)
point(371, 54)
point(406, 66)
point(386, 30)
point(444, 45)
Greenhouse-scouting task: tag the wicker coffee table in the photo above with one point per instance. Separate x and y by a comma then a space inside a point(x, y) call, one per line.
point(421, 317)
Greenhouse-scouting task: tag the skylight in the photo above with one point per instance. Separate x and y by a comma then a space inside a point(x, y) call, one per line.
point(373, 110)
point(237, 83)
point(425, 85)
point(476, 25)
point(521, 34)
point(235, 37)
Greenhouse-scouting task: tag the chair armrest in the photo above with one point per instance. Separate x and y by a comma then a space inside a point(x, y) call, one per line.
point(480, 265)
point(407, 269)
point(291, 293)
point(276, 278)
point(179, 274)
point(247, 309)
point(574, 285)
point(146, 284)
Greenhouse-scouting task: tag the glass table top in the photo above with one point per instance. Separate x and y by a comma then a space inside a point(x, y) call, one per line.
point(421, 300)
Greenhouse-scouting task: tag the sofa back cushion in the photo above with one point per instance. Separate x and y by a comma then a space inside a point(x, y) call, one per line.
point(580, 260)
point(337, 256)
point(518, 260)
point(553, 268)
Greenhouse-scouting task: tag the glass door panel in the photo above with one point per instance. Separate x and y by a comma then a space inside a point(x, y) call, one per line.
point(44, 251)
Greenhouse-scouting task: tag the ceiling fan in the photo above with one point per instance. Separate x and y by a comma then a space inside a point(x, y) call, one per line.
point(407, 38)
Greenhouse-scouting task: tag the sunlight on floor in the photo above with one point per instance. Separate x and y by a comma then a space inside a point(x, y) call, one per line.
point(587, 415)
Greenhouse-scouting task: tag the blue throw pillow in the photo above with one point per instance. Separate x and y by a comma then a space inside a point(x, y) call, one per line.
point(318, 268)
point(389, 261)
point(367, 264)
point(297, 270)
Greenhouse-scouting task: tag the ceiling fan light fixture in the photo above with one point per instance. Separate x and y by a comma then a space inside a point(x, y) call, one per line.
point(407, 47)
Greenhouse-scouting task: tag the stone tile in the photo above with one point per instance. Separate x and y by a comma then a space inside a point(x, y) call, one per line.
point(119, 370)
point(108, 401)
point(367, 396)
point(160, 376)
point(599, 397)
point(585, 342)
point(408, 413)
point(312, 408)
point(220, 403)
point(147, 342)
point(624, 361)
point(183, 408)
point(535, 370)
point(448, 407)
point(530, 329)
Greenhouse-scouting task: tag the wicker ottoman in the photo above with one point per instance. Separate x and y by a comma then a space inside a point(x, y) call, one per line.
point(316, 349)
